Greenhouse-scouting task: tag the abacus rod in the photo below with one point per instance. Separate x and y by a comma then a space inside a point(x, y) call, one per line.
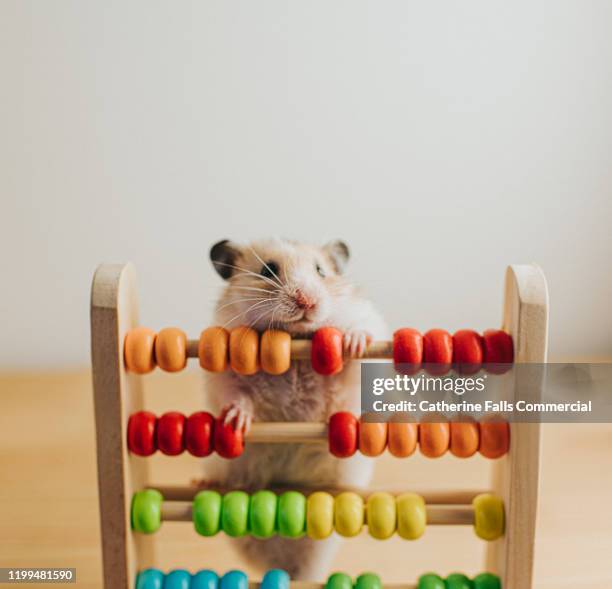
point(441, 515)
point(187, 493)
point(314, 585)
point(300, 349)
point(287, 432)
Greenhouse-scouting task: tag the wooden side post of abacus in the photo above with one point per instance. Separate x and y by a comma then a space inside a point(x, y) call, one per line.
point(114, 310)
point(515, 477)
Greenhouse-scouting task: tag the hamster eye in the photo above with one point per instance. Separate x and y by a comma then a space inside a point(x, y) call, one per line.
point(269, 270)
point(320, 271)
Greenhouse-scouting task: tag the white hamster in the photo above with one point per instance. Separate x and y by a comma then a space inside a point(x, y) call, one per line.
point(297, 288)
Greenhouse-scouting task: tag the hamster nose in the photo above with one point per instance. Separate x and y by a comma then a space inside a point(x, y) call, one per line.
point(303, 301)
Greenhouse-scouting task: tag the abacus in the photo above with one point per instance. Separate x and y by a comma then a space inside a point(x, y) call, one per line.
point(503, 515)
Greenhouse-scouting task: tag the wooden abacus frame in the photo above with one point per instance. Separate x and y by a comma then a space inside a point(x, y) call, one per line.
point(117, 394)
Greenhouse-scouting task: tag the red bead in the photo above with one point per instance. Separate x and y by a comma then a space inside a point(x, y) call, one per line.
point(326, 353)
point(437, 351)
point(199, 433)
point(498, 351)
point(407, 350)
point(141, 433)
point(229, 442)
point(467, 351)
point(343, 432)
point(170, 429)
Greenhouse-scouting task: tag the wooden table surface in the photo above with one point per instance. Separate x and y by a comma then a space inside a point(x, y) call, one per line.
point(49, 511)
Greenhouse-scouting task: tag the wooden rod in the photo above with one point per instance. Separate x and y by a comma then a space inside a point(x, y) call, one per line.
point(188, 492)
point(300, 349)
point(282, 432)
point(437, 515)
point(314, 585)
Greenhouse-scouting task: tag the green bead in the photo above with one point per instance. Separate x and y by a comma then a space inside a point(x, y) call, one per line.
point(235, 513)
point(262, 514)
point(487, 581)
point(458, 581)
point(339, 581)
point(431, 581)
point(368, 581)
point(291, 514)
point(146, 511)
point(206, 513)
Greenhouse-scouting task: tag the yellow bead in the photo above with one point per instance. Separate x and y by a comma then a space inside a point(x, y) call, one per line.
point(382, 515)
point(319, 515)
point(489, 518)
point(348, 514)
point(411, 516)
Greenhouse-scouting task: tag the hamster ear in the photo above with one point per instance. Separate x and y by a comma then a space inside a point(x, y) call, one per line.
point(339, 253)
point(223, 256)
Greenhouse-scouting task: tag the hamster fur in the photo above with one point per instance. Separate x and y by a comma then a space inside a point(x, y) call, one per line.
point(297, 288)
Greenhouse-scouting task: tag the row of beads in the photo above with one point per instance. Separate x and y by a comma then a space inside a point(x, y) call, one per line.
point(201, 434)
point(246, 353)
point(292, 515)
point(279, 579)
point(464, 438)
point(207, 579)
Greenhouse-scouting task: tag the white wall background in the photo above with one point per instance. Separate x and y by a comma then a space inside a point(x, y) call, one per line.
point(442, 140)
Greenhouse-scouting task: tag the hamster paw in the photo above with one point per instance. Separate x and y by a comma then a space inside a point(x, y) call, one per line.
point(238, 413)
point(355, 342)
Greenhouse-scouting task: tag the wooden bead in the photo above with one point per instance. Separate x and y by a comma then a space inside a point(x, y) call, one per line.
point(343, 432)
point(141, 433)
point(291, 514)
point(275, 354)
point(339, 581)
point(150, 579)
point(170, 430)
point(402, 436)
point(234, 580)
point(382, 515)
point(213, 349)
point(372, 436)
point(498, 351)
point(171, 349)
point(487, 581)
point(204, 579)
point(437, 351)
point(139, 350)
point(229, 442)
point(434, 438)
point(489, 517)
point(319, 515)
point(431, 581)
point(326, 351)
point(235, 513)
point(348, 514)
point(244, 350)
point(274, 579)
point(458, 581)
point(407, 350)
point(464, 437)
point(411, 516)
point(206, 512)
point(199, 434)
point(494, 437)
point(368, 581)
point(467, 351)
point(146, 511)
point(177, 579)
point(262, 514)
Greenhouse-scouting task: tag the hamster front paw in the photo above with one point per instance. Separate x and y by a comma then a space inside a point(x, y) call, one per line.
point(239, 414)
point(355, 342)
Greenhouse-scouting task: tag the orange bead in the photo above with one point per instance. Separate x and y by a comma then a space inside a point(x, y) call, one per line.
point(244, 350)
point(139, 350)
point(213, 349)
point(494, 437)
point(434, 438)
point(437, 351)
point(464, 437)
point(402, 436)
point(372, 435)
point(171, 349)
point(275, 353)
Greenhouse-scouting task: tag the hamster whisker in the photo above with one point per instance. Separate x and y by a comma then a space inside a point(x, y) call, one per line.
point(237, 301)
point(248, 272)
point(266, 265)
point(258, 289)
point(254, 306)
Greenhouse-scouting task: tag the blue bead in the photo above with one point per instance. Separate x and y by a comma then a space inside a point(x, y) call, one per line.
point(205, 580)
point(234, 580)
point(177, 579)
point(150, 579)
point(275, 579)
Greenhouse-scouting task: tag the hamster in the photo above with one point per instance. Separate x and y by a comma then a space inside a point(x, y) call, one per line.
point(298, 288)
